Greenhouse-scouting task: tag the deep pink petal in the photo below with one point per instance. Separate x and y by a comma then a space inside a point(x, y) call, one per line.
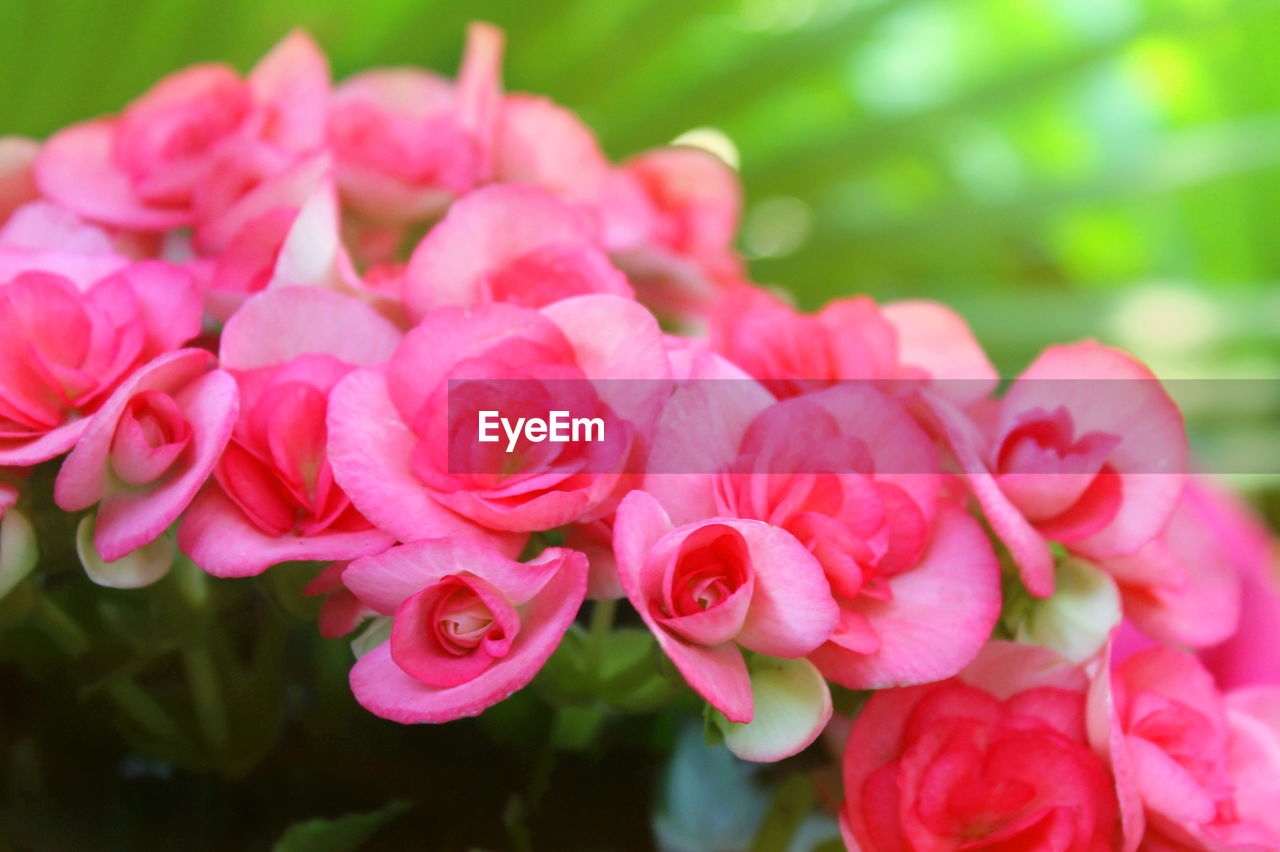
point(370, 450)
point(221, 540)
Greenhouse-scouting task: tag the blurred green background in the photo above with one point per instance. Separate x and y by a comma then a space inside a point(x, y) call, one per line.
point(1054, 169)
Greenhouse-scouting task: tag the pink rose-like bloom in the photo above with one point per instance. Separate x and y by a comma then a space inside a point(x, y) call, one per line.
point(142, 169)
point(850, 474)
point(64, 350)
point(398, 449)
point(408, 141)
point(1087, 450)
point(508, 243)
point(995, 758)
point(149, 449)
point(1193, 770)
point(681, 256)
point(851, 339)
point(274, 498)
point(709, 589)
point(469, 626)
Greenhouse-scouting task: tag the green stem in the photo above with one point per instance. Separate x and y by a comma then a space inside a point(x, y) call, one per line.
point(601, 623)
point(69, 636)
point(143, 709)
point(61, 627)
point(206, 694)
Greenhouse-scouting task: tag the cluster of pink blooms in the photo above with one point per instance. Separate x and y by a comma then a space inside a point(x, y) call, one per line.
point(234, 311)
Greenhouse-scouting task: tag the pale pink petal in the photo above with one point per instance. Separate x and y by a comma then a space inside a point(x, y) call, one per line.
point(937, 340)
point(278, 325)
point(547, 145)
point(792, 610)
point(384, 580)
point(291, 86)
point(1028, 548)
point(716, 401)
point(76, 169)
point(616, 338)
point(482, 234)
point(168, 299)
point(1255, 754)
point(479, 88)
point(312, 254)
point(1006, 668)
point(941, 613)
point(1102, 721)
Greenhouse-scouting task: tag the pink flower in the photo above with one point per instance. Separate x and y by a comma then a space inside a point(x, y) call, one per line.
point(17, 182)
point(283, 232)
point(709, 589)
point(404, 446)
point(144, 168)
point(1086, 450)
point(508, 243)
point(1190, 774)
point(469, 626)
point(63, 350)
point(681, 255)
point(149, 449)
point(1183, 587)
point(43, 237)
point(543, 144)
point(850, 474)
point(995, 758)
point(1241, 542)
point(851, 339)
point(274, 498)
point(407, 141)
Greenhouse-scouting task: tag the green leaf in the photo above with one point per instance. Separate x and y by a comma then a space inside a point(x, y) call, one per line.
point(340, 834)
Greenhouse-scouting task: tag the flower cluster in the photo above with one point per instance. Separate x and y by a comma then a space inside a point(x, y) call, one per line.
point(240, 313)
